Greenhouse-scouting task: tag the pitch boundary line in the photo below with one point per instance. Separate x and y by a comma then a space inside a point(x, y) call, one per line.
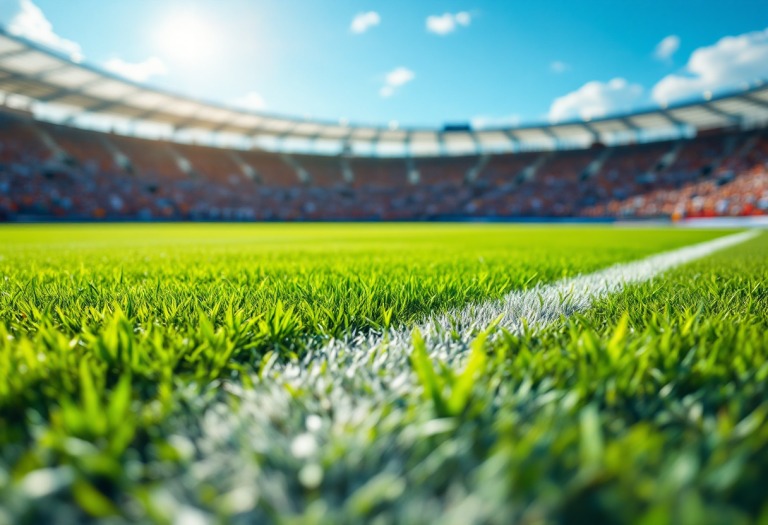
point(340, 388)
point(536, 308)
point(379, 357)
point(544, 304)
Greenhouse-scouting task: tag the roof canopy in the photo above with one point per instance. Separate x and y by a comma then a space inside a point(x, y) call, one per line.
point(46, 76)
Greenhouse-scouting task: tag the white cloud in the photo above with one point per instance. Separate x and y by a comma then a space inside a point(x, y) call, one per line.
point(596, 99)
point(485, 122)
point(462, 18)
point(732, 60)
point(447, 23)
point(252, 101)
point(394, 79)
point(399, 76)
point(138, 72)
point(559, 67)
point(23, 18)
point(364, 21)
point(667, 47)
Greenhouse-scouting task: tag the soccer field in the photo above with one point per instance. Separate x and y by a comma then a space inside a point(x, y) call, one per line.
point(382, 373)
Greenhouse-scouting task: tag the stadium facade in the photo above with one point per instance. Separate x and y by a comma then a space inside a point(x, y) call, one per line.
point(703, 158)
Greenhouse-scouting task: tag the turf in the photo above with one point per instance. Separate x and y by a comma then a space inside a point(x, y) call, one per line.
point(120, 344)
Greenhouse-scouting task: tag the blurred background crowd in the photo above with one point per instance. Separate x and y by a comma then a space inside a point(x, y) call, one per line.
point(50, 172)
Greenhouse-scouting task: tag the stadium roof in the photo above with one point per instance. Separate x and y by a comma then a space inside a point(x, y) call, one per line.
point(36, 72)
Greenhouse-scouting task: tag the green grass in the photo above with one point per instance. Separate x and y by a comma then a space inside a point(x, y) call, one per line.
point(115, 344)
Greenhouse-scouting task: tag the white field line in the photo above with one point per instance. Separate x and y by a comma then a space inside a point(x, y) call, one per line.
point(303, 412)
point(545, 304)
point(365, 369)
point(537, 308)
point(376, 363)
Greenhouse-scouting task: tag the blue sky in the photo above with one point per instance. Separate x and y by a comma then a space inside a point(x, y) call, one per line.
point(504, 61)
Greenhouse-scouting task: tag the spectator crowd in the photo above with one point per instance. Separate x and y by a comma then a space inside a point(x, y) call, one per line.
point(50, 172)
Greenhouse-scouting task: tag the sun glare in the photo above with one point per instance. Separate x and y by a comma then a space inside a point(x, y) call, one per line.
point(187, 36)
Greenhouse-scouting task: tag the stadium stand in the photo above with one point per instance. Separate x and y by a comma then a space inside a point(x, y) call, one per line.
point(719, 175)
point(51, 172)
point(712, 163)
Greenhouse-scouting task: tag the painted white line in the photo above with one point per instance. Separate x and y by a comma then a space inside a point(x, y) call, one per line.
point(448, 336)
point(300, 414)
point(367, 369)
point(545, 304)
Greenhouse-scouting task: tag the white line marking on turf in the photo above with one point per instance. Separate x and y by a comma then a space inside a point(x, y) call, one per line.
point(544, 304)
point(300, 412)
point(538, 308)
point(382, 360)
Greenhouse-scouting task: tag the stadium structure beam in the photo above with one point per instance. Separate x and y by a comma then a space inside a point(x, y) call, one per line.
point(513, 140)
point(754, 100)
point(628, 124)
point(375, 142)
point(630, 127)
point(101, 106)
point(346, 146)
point(341, 141)
point(288, 132)
point(719, 112)
point(319, 135)
point(222, 126)
point(674, 121)
point(15, 52)
point(476, 141)
point(90, 109)
point(255, 131)
point(107, 104)
point(407, 143)
point(314, 139)
point(592, 131)
point(61, 93)
point(441, 143)
point(38, 76)
point(548, 131)
point(12, 78)
point(227, 123)
point(147, 114)
point(188, 123)
point(345, 139)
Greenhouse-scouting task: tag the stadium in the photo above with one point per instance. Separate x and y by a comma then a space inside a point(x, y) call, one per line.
point(561, 320)
point(710, 161)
